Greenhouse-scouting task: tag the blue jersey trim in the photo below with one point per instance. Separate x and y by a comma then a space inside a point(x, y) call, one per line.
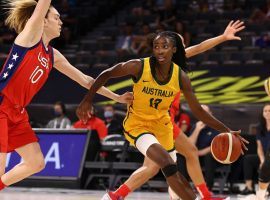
point(13, 62)
point(52, 54)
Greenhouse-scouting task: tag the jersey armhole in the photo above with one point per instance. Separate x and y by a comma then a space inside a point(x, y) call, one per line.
point(52, 54)
point(135, 80)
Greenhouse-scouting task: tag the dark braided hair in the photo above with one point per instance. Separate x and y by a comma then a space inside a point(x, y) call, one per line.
point(179, 57)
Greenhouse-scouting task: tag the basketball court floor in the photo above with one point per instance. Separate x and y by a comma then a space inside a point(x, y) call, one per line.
point(58, 194)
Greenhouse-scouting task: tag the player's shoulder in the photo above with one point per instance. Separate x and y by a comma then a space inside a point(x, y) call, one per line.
point(55, 51)
point(134, 62)
point(57, 55)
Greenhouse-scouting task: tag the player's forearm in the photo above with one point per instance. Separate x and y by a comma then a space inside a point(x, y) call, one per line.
point(205, 45)
point(41, 10)
point(204, 151)
point(108, 93)
point(102, 91)
point(194, 136)
point(97, 86)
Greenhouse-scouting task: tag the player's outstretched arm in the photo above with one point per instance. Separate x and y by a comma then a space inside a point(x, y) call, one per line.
point(201, 114)
point(132, 67)
point(62, 65)
point(229, 34)
point(33, 30)
point(196, 108)
point(37, 19)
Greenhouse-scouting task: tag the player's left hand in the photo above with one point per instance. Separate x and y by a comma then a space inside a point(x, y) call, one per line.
point(242, 140)
point(126, 98)
point(232, 28)
point(84, 110)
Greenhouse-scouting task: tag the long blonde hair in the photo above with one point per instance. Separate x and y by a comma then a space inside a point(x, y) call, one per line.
point(18, 13)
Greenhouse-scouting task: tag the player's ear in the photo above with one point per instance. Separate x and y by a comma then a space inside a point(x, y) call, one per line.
point(174, 49)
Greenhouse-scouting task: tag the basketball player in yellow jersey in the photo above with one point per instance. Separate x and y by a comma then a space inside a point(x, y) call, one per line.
point(147, 125)
point(182, 143)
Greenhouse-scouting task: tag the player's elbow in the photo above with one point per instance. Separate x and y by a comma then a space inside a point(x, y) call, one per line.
point(107, 74)
point(88, 82)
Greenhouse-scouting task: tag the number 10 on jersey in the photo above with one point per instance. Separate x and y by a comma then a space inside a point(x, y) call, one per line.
point(36, 75)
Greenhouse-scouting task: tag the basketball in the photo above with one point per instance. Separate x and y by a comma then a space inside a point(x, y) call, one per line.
point(226, 148)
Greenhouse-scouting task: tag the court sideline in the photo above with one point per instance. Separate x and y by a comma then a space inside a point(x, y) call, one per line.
point(60, 194)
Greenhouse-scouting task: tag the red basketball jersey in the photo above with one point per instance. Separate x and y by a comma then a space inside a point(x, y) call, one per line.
point(25, 72)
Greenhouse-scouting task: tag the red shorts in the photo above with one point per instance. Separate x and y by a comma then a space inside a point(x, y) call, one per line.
point(15, 128)
point(176, 130)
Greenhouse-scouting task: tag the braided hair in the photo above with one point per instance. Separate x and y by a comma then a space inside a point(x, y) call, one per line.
point(179, 57)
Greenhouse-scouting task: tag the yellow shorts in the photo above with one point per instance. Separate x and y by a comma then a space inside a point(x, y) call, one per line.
point(162, 129)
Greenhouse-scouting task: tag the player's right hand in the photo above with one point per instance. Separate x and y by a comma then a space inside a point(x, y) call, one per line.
point(126, 98)
point(84, 110)
point(233, 28)
point(200, 125)
point(242, 140)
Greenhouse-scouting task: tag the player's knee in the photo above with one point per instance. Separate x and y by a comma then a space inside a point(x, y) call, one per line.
point(37, 164)
point(169, 170)
point(264, 175)
point(165, 160)
point(2, 171)
point(153, 170)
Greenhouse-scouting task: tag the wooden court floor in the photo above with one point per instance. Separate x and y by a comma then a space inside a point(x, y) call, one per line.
point(59, 194)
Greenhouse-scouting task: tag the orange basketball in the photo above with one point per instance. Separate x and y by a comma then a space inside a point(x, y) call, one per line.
point(226, 148)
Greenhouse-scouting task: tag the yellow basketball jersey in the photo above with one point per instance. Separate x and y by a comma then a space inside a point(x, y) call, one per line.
point(152, 98)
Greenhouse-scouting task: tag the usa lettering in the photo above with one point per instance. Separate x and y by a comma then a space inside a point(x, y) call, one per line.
point(39, 71)
point(43, 61)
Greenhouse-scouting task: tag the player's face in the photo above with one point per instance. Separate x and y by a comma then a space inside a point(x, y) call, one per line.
point(266, 112)
point(53, 24)
point(163, 49)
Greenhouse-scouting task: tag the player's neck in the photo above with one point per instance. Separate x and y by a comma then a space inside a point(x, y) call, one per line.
point(163, 70)
point(46, 40)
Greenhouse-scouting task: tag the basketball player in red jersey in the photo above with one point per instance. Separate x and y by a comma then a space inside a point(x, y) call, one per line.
point(182, 143)
point(25, 71)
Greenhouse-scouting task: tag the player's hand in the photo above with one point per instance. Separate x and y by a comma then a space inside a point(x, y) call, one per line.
point(84, 110)
point(126, 98)
point(242, 140)
point(232, 28)
point(200, 125)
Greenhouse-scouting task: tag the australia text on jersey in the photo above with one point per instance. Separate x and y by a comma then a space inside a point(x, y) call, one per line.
point(157, 92)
